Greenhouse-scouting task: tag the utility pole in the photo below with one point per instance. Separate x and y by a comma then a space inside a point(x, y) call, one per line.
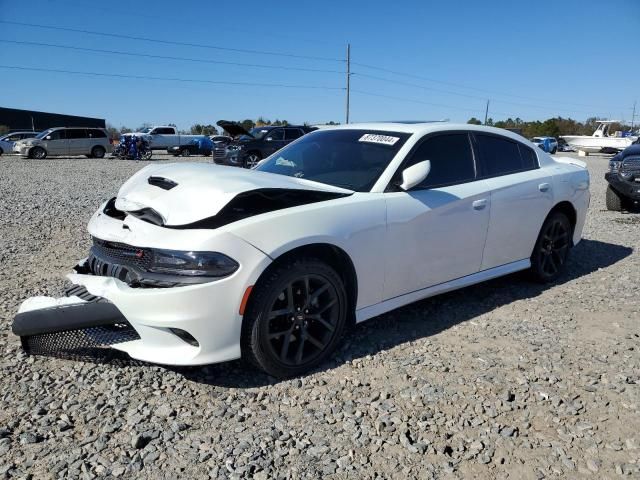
point(348, 77)
point(486, 112)
point(633, 115)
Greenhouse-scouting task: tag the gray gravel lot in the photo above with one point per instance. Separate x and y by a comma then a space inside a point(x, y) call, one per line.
point(502, 380)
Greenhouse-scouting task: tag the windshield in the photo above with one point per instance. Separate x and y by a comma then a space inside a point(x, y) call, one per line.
point(352, 159)
point(41, 135)
point(256, 134)
point(146, 130)
point(537, 140)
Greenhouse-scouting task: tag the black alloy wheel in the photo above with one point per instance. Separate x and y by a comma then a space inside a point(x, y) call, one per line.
point(38, 153)
point(185, 152)
point(295, 318)
point(98, 152)
point(552, 248)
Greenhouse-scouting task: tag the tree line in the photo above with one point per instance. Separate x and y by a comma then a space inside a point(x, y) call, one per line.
point(552, 127)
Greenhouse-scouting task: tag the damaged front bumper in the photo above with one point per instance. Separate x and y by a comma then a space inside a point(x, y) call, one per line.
point(182, 325)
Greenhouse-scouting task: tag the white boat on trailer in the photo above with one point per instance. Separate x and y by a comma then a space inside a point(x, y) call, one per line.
point(600, 141)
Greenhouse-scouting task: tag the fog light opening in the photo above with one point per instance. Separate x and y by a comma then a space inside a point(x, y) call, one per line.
point(185, 336)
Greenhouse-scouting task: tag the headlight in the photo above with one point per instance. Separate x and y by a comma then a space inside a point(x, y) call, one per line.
point(194, 264)
point(235, 147)
point(614, 166)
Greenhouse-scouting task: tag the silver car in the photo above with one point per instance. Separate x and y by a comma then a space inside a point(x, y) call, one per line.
point(64, 141)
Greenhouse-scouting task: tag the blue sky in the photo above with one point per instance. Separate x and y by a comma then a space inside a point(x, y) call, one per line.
point(533, 60)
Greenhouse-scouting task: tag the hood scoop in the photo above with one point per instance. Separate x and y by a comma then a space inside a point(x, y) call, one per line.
point(161, 182)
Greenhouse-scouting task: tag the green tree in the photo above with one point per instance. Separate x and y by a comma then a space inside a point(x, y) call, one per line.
point(247, 124)
point(471, 121)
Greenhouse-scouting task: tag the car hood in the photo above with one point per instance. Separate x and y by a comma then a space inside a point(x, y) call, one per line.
point(187, 193)
point(234, 129)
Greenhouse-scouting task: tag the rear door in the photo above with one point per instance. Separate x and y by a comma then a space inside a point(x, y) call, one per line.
point(436, 232)
point(78, 141)
point(521, 198)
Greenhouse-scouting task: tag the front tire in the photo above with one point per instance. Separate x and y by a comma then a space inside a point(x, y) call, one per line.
point(252, 159)
point(98, 152)
point(38, 153)
point(295, 318)
point(185, 152)
point(551, 251)
point(613, 200)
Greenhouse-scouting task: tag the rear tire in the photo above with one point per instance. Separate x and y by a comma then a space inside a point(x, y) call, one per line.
point(554, 151)
point(38, 153)
point(185, 152)
point(295, 318)
point(552, 247)
point(98, 152)
point(613, 200)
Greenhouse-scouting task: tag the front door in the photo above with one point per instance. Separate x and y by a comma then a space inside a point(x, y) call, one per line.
point(78, 141)
point(56, 143)
point(436, 232)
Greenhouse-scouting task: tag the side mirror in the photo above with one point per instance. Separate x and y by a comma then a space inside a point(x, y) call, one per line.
point(415, 174)
point(48, 137)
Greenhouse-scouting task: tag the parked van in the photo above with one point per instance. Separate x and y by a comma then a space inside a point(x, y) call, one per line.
point(92, 142)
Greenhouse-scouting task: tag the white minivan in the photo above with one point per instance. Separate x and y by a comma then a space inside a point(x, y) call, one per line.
point(63, 141)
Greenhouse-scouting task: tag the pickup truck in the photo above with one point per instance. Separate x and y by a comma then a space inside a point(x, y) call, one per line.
point(163, 136)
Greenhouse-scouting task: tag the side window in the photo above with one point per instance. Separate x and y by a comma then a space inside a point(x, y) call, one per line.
point(96, 133)
point(13, 138)
point(529, 158)
point(451, 160)
point(57, 135)
point(165, 131)
point(292, 133)
point(76, 133)
point(500, 156)
point(277, 134)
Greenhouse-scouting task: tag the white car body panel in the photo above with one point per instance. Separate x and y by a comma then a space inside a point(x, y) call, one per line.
point(404, 246)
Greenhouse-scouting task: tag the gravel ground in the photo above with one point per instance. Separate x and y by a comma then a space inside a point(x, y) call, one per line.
point(501, 380)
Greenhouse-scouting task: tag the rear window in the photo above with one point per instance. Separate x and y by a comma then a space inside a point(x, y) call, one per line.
point(97, 133)
point(501, 156)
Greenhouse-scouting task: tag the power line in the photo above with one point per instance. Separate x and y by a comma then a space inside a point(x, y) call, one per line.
point(411, 100)
point(449, 92)
point(170, 42)
point(172, 79)
point(458, 85)
point(165, 57)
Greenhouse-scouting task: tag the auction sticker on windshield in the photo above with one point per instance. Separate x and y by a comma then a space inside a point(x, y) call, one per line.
point(376, 138)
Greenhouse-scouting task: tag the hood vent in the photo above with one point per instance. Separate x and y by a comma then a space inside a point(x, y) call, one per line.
point(162, 182)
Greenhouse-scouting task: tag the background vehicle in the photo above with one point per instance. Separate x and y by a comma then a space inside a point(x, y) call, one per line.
point(92, 142)
point(197, 146)
point(249, 147)
point(602, 140)
point(163, 137)
point(548, 144)
point(125, 151)
point(338, 227)
point(623, 177)
point(8, 141)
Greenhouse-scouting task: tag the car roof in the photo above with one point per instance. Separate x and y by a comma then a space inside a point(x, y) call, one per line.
point(424, 128)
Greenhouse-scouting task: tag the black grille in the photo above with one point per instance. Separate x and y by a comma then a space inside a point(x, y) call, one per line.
point(219, 152)
point(79, 343)
point(113, 259)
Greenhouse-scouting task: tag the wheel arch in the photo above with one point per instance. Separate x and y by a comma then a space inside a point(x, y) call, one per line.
point(332, 255)
point(569, 210)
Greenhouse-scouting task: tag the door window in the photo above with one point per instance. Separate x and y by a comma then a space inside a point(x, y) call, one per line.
point(501, 156)
point(292, 133)
point(76, 133)
point(164, 131)
point(451, 160)
point(276, 135)
point(96, 133)
point(57, 135)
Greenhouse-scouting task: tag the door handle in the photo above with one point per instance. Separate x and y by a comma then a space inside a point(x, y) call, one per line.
point(479, 204)
point(544, 187)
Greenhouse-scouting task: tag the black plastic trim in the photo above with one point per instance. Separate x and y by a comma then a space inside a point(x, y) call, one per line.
point(66, 317)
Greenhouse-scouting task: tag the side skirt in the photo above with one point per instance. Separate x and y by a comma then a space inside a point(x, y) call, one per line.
point(383, 307)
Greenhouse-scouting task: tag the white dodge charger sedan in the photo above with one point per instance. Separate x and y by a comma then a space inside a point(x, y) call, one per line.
point(197, 263)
